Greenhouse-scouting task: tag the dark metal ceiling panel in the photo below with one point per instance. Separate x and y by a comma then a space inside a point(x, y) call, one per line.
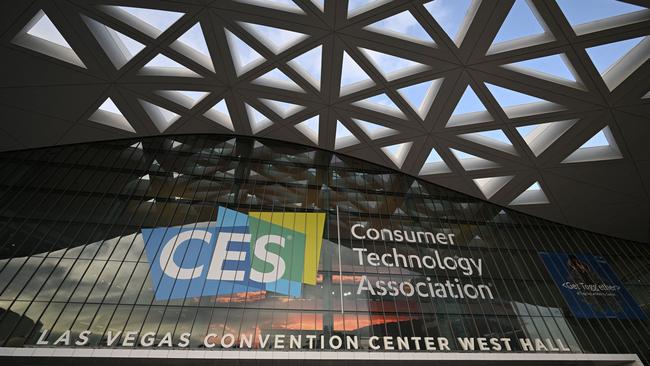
point(404, 115)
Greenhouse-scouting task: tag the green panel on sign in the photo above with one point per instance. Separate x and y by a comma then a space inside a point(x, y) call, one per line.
point(267, 235)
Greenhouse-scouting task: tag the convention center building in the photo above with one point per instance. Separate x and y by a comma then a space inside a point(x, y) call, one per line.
point(325, 182)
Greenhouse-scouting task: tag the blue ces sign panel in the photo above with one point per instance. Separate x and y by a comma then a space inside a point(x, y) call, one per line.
point(240, 252)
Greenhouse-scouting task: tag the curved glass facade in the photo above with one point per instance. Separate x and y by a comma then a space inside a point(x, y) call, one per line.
point(207, 241)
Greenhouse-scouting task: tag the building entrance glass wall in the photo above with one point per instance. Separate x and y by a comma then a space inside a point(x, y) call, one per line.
point(215, 242)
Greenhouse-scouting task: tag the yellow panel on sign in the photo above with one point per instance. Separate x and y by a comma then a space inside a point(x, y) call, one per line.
point(309, 223)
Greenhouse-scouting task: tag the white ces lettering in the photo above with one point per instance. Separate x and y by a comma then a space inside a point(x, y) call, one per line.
point(169, 267)
point(273, 259)
point(222, 254)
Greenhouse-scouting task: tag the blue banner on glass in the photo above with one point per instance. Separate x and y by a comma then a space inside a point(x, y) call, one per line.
point(590, 287)
point(203, 259)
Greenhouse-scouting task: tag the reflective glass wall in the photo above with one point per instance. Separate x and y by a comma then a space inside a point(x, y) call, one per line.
point(112, 244)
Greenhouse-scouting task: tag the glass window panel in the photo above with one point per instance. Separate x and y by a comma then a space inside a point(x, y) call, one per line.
point(99, 323)
point(88, 279)
point(73, 233)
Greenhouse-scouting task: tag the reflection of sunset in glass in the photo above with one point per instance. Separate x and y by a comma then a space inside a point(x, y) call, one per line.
point(271, 322)
point(346, 279)
point(351, 322)
point(241, 297)
point(304, 321)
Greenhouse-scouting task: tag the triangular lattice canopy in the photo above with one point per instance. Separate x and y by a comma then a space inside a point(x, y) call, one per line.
point(484, 97)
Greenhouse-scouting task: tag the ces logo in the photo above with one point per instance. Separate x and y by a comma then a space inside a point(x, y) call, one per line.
point(272, 251)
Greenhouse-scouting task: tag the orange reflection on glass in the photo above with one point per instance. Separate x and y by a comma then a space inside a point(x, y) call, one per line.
point(297, 321)
point(343, 322)
point(350, 322)
point(240, 297)
point(287, 299)
point(346, 279)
